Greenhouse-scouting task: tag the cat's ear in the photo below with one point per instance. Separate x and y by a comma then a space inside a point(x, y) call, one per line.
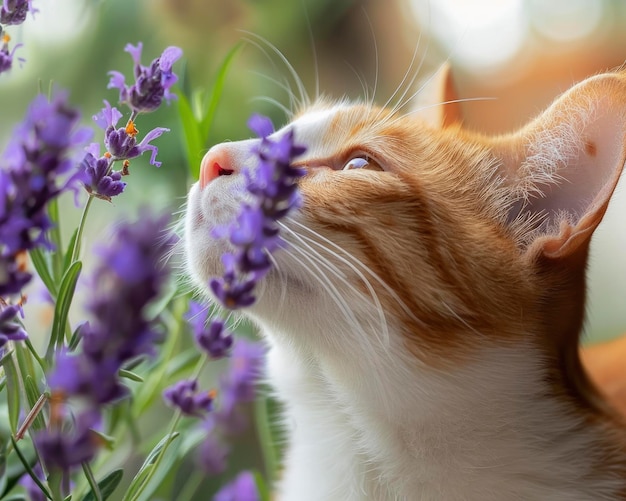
point(565, 164)
point(437, 102)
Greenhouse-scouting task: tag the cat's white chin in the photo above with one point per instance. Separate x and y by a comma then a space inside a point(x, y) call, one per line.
point(213, 206)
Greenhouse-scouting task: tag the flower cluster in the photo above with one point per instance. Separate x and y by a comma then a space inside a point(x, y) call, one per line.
point(214, 339)
point(152, 83)
point(255, 232)
point(12, 12)
point(130, 277)
point(121, 144)
point(10, 329)
point(37, 166)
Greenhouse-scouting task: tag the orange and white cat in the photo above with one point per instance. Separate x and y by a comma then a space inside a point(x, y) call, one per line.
point(424, 321)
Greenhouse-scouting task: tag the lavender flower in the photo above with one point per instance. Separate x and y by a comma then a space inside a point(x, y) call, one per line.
point(243, 488)
point(6, 56)
point(101, 181)
point(122, 143)
point(66, 449)
point(152, 84)
point(255, 231)
point(238, 385)
point(36, 167)
point(214, 338)
point(212, 455)
point(14, 11)
point(185, 396)
point(10, 329)
point(131, 275)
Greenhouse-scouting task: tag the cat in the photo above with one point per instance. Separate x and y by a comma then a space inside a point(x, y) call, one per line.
point(423, 322)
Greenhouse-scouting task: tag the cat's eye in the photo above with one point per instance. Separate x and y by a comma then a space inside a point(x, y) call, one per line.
point(361, 162)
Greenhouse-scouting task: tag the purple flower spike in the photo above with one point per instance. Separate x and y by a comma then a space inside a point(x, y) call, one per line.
point(14, 11)
point(6, 56)
point(38, 165)
point(213, 455)
point(101, 181)
point(10, 329)
point(121, 143)
point(214, 338)
point(64, 450)
point(184, 395)
point(254, 233)
point(261, 125)
point(238, 386)
point(130, 276)
point(243, 488)
point(152, 83)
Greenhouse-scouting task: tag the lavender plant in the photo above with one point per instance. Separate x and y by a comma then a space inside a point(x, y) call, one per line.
point(73, 410)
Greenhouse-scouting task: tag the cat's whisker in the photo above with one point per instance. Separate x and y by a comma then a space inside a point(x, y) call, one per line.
point(282, 84)
point(281, 278)
point(351, 261)
point(378, 328)
point(328, 286)
point(340, 275)
point(370, 100)
point(274, 102)
point(261, 42)
point(407, 80)
point(313, 49)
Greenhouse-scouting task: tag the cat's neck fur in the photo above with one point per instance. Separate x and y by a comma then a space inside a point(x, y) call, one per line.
point(495, 429)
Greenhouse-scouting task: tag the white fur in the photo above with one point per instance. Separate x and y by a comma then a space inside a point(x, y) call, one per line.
point(481, 433)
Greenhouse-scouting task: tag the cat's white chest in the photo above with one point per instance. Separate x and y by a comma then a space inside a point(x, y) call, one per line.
point(482, 438)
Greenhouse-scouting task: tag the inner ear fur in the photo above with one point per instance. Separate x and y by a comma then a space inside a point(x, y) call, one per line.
point(563, 166)
point(562, 169)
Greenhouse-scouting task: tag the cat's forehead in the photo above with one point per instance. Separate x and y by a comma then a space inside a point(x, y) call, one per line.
point(325, 127)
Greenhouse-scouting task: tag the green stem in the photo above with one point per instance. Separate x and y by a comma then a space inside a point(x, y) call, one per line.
point(79, 233)
point(172, 428)
point(268, 452)
point(92, 481)
point(175, 420)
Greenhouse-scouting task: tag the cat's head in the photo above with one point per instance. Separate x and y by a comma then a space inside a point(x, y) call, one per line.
point(428, 240)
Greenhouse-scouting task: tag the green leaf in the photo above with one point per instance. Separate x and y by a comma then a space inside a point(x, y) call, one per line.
point(75, 339)
point(13, 390)
point(216, 92)
point(264, 492)
point(130, 375)
point(107, 485)
point(3, 467)
point(54, 234)
point(41, 262)
point(62, 307)
point(29, 469)
point(69, 253)
point(136, 486)
point(191, 135)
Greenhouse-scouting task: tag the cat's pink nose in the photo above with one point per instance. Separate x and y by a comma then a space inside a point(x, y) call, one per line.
point(216, 162)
